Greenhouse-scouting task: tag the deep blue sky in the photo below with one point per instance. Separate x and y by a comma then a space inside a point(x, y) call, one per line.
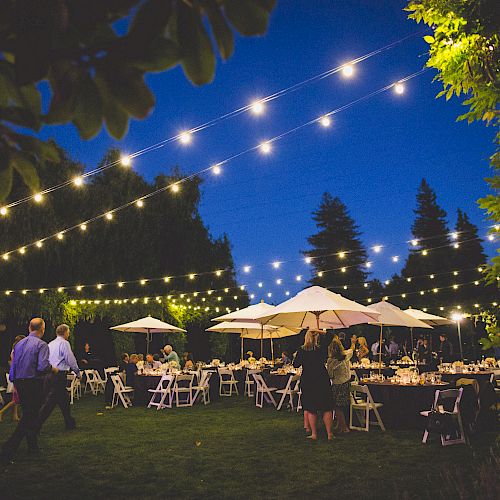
point(373, 157)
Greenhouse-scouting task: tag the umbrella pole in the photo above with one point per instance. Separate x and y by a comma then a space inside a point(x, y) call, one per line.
point(380, 350)
point(147, 342)
point(261, 340)
point(241, 348)
point(411, 337)
point(272, 350)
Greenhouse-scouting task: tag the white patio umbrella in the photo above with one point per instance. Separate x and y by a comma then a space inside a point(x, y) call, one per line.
point(430, 319)
point(391, 315)
point(253, 330)
point(250, 313)
point(317, 307)
point(147, 325)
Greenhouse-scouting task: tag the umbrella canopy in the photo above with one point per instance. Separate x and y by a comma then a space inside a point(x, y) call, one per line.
point(250, 313)
point(147, 325)
point(317, 307)
point(253, 330)
point(391, 315)
point(430, 319)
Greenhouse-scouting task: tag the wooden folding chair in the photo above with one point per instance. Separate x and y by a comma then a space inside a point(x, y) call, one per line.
point(362, 403)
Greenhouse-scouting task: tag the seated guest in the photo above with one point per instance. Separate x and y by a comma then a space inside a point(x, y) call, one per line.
point(87, 357)
point(140, 361)
point(123, 362)
point(188, 363)
point(250, 358)
point(362, 350)
point(285, 359)
point(150, 363)
point(393, 348)
point(131, 370)
point(171, 355)
point(445, 351)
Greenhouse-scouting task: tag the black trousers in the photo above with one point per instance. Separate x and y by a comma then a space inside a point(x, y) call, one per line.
point(55, 394)
point(30, 394)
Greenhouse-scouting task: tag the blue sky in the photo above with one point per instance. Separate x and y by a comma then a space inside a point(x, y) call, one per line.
point(373, 156)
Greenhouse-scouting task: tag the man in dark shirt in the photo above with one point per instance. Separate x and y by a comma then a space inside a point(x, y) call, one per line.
point(30, 362)
point(445, 352)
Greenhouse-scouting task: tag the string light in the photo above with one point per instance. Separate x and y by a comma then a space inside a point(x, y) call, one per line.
point(125, 160)
point(395, 258)
point(216, 169)
point(425, 252)
point(83, 227)
point(192, 276)
point(257, 107)
point(175, 188)
point(78, 181)
point(39, 244)
point(414, 243)
point(325, 121)
point(139, 203)
point(320, 274)
point(4, 211)
point(399, 88)
point(298, 278)
point(185, 137)
point(307, 260)
point(5, 256)
point(276, 265)
point(377, 248)
point(22, 250)
point(348, 70)
point(246, 269)
point(143, 282)
point(260, 284)
point(265, 147)
point(109, 216)
point(341, 255)
point(60, 236)
point(38, 197)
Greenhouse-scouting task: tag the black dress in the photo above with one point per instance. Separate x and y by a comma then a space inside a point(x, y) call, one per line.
point(314, 381)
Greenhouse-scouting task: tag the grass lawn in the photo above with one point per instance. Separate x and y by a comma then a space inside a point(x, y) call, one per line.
point(231, 449)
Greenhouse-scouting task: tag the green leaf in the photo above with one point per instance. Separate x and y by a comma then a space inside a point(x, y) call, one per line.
point(151, 20)
point(249, 17)
point(198, 59)
point(162, 54)
point(19, 116)
point(25, 168)
point(88, 108)
point(222, 32)
point(429, 39)
point(31, 99)
point(115, 116)
point(63, 81)
point(5, 176)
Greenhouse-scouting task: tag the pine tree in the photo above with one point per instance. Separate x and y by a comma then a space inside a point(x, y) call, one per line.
point(338, 256)
point(469, 259)
point(430, 263)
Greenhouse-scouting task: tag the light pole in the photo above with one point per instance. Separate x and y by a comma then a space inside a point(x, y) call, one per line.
point(458, 317)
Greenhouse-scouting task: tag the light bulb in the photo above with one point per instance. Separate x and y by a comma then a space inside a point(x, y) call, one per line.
point(320, 274)
point(414, 243)
point(257, 107)
point(216, 169)
point(246, 269)
point(78, 181)
point(395, 258)
point(99, 286)
point(287, 293)
point(39, 244)
point(298, 278)
point(192, 276)
point(276, 264)
point(83, 227)
point(399, 88)
point(307, 260)
point(109, 216)
point(143, 282)
point(22, 250)
point(341, 255)
point(185, 137)
point(5, 256)
point(325, 121)
point(175, 188)
point(120, 284)
point(377, 248)
point(60, 236)
point(425, 252)
point(279, 281)
point(3, 211)
point(218, 273)
point(125, 160)
point(491, 237)
point(343, 269)
point(265, 147)
point(38, 197)
point(166, 279)
point(139, 203)
point(348, 70)
point(260, 284)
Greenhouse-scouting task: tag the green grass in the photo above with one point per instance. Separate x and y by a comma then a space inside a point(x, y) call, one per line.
point(230, 449)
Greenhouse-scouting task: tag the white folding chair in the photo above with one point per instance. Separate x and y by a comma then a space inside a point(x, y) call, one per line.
point(90, 382)
point(121, 392)
point(164, 391)
point(292, 388)
point(183, 385)
point(227, 381)
point(249, 383)
point(109, 371)
point(72, 388)
point(442, 399)
point(263, 392)
point(203, 387)
point(100, 384)
point(362, 403)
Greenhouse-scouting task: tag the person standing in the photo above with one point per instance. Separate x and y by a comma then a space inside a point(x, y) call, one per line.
point(171, 355)
point(315, 382)
point(445, 351)
point(61, 357)
point(14, 402)
point(30, 363)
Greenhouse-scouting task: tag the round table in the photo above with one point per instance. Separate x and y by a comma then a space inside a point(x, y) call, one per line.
point(481, 377)
point(403, 402)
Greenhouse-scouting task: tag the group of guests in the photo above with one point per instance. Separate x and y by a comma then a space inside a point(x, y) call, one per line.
point(38, 372)
point(133, 364)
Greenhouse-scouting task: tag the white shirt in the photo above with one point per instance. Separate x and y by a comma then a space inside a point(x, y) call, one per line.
point(61, 356)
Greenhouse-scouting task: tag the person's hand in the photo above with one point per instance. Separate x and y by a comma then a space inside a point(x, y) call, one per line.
point(55, 370)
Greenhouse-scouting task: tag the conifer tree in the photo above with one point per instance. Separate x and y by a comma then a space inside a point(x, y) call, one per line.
point(430, 263)
point(337, 254)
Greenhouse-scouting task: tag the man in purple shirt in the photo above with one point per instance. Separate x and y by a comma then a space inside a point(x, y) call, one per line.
point(30, 362)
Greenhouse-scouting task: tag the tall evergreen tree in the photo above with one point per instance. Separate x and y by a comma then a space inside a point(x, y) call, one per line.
point(430, 262)
point(337, 254)
point(468, 260)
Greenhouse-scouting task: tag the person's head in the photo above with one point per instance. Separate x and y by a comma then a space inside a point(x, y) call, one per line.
point(250, 354)
point(17, 339)
point(284, 354)
point(156, 357)
point(63, 331)
point(311, 340)
point(133, 358)
point(426, 342)
point(37, 327)
point(87, 347)
point(336, 350)
point(442, 337)
point(392, 338)
point(125, 357)
point(362, 342)
point(149, 358)
point(185, 356)
point(341, 335)
point(140, 357)
point(167, 349)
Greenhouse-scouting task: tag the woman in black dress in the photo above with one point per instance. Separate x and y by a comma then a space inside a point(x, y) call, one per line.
point(315, 382)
